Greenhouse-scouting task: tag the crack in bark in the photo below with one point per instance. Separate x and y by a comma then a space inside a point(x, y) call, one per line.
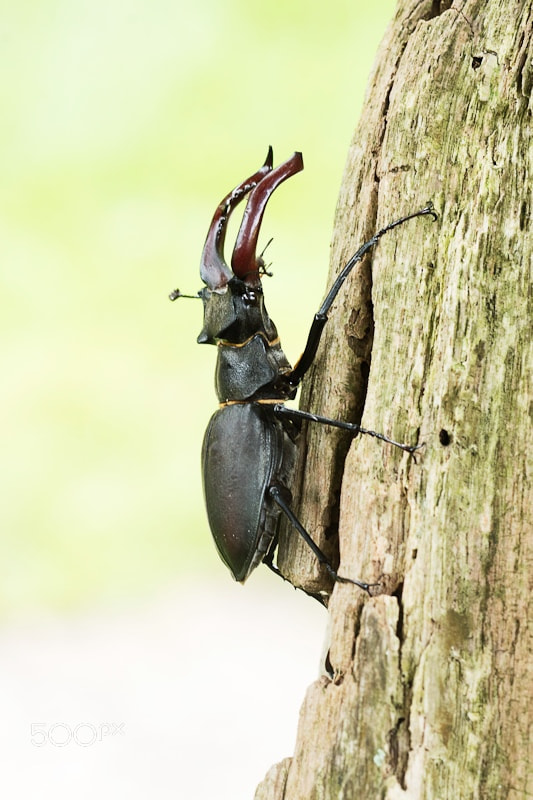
point(399, 737)
point(438, 7)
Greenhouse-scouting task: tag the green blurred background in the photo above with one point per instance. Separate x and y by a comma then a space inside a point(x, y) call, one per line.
point(123, 126)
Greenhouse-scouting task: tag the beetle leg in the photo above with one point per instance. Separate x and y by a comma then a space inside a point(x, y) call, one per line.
point(292, 413)
point(213, 269)
point(277, 495)
point(321, 317)
point(244, 261)
point(268, 560)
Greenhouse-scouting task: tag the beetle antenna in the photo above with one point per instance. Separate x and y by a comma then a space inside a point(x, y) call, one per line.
point(265, 247)
point(263, 268)
point(176, 293)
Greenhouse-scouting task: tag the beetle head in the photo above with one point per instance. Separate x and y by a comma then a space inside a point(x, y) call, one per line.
point(233, 298)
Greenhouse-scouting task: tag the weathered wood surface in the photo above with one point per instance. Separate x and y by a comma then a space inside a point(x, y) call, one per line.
point(432, 694)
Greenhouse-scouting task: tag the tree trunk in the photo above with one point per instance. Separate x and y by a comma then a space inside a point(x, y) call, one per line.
point(430, 685)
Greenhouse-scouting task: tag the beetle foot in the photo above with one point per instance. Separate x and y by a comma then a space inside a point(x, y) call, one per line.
point(321, 597)
point(366, 587)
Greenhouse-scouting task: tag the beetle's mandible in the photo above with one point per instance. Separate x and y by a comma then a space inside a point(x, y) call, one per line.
point(249, 446)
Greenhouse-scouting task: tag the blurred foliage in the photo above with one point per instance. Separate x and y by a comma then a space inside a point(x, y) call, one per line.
point(123, 126)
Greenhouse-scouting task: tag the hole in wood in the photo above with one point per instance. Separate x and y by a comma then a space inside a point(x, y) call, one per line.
point(444, 438)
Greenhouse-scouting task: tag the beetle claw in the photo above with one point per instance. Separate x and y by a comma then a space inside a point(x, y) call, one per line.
point(244, 262)
point(213, 269)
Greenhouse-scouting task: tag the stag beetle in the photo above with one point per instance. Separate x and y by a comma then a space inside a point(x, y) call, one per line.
point(249, 446)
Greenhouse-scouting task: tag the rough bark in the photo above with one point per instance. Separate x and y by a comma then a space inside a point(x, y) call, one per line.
point(431, 685)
